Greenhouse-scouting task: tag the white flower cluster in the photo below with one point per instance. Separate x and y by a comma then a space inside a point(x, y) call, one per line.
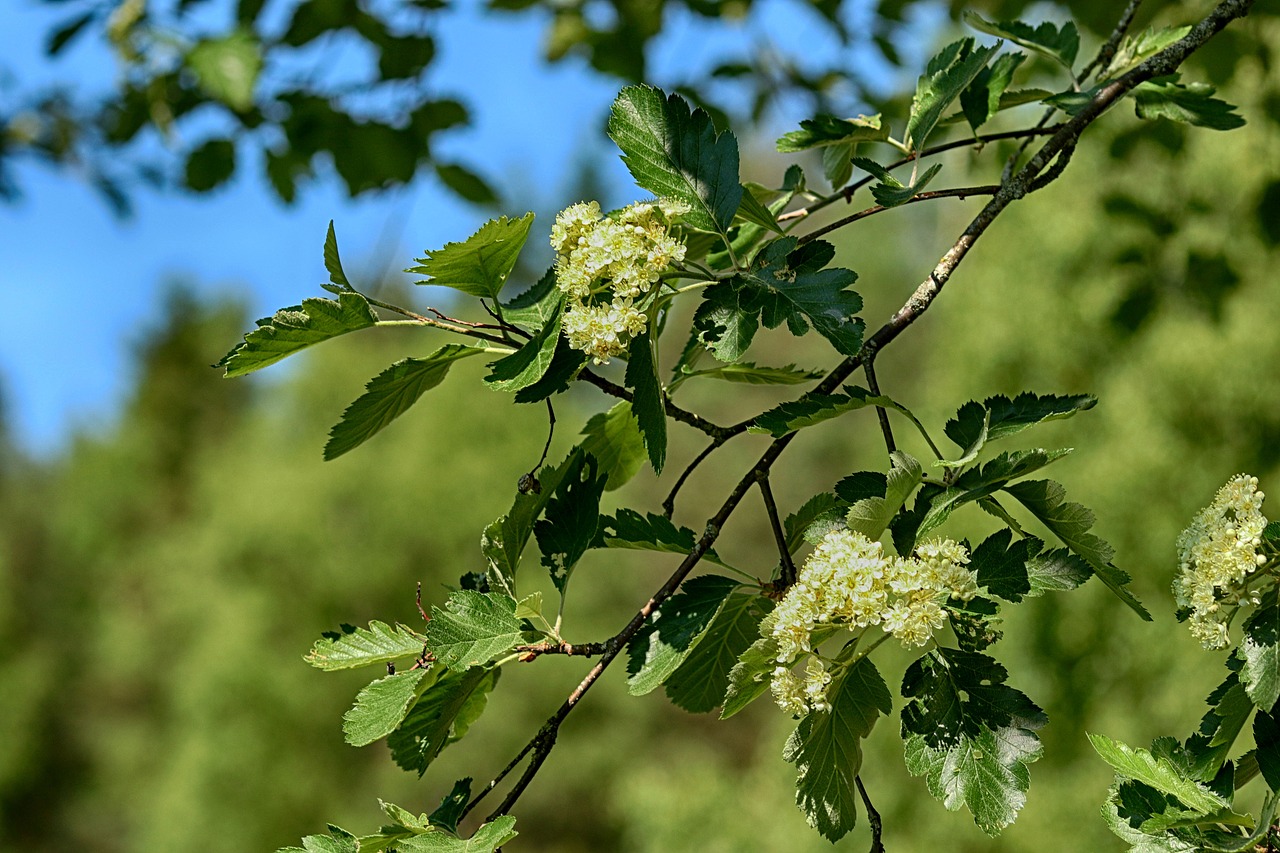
point(606, 266)
point(849, 582)
point(1215, 555)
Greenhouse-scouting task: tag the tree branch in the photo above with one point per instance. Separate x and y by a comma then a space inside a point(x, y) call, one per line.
point(669, 505)
point(960, 193)
point(673, 411)
point(873, 817)
point(788, 575)
point(873, 386)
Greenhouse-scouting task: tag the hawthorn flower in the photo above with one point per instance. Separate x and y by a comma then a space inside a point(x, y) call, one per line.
point(607, 266)
point(849, 582)
point(1216, 553)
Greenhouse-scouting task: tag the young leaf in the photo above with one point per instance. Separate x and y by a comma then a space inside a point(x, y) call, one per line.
point(1159, 773)
point(355, 647)
point(871, 516)
point(970, 735)
point(999, 417)
point(227, 68)
point(390, 394)
point(827, 748)
point(487, 839)
point(473, 628)
point(1134, 49)
point(1194, 104)
point(1260, 651)
point(337, 841)
point(891, 192)
point(677, 154)
point(480, 264)
point(441, 716)
point(673, 631)
point(749, 677)
point(291, 330)
point(332, 261)
point(381, 706)
point(837, 163)
point(948, 74)
point(528, 364)
point(1060, 45)
point(699, 684)
point(1070, 522)
point(1266, 735)
point(824, 130)
point(649, 404)
point(572, 518)
point(613, 438)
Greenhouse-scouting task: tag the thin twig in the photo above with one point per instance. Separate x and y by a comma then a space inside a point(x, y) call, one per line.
point(959, 192)
point(788, 574)
point(669, 505)
point(873, 817)
point(868, 367)
point(673, 411)
point(1162, 63)
point(529, 482)
point(1108, 50)
point(533, 650)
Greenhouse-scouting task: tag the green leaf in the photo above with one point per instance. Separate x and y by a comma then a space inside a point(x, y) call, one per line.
point(649, 532)
point(338, 841)
point(441, 716)
point(534, 306)
point(1058, 570)
point(999, 417)
point(1210, 747)
point(871, 516)
point(672, 632)
point(824, 130)
point(480, 264)
point(751, 210)
point(819, 515)
point(528, 364)
point(565, 364)
point(699, 684)
point(473, 628)
point(1001, 566)
point(504, 540)
point(487, 839)
point(748, 373)
point(791, 285)
point(572, 517)
point(827, 748)
point(381, 706)
point(291, 330)
point(983, 98)
point(1070, 522)
point(466, 183)
point(649, 404)
point(676, 154)
point(948, 74)
point(891, 192)
point(837, 163)
point(613, 438)
point(749, 677)
point(1266, 734)
point(389, 395)
point(332, 261)
point(1159, 773)
point(355, 647)
point(1060, 45)
point(1126, 825)
point(1194, 104)
point(970, 735)
point(727, 320)
point(227, 68)
point(1134, 50)
point(1260, 651)
point(210, 165)
point(976, 484)
point(813, 409)
point(450, 811)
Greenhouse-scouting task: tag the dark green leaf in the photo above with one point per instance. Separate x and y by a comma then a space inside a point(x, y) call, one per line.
point(290, 330)
point(1058, 570)
point(750, 374)
point(504, 540)
point(949, 73)
point(62, 36)
point(727, 320)
point(982, 99)
point(1210, 747)
point(1266, 735)
point(813, 409)
point(474, 628)
point(390, 394)
point(861, 484)
point(971, 735)
point(1159, 773)
point(1070, 522)
point(527, 365)
point(466, 184)
point(1060, 45)
point(749, 677)
point(649, 404)
point(565, 364)
point(480, 264)
point(999, 417)
point(827, 748)
point(1191, 104)
point(976, 484)
point(381, 706)
point(871, 516)
point(837, 163)
point(572, 517)
point(450, 811)
point(1002, 568)
point(751, 210)
point(210, 165)
point(673, 630)
point(227, 68)
point(441, 716)
point(332, 261)
point(677, 154)
point(825, 130)
point(534, 306)
point(613, 438)
point(1260, 651)
point(354, 647)
point(699, 684)
point(891, 192)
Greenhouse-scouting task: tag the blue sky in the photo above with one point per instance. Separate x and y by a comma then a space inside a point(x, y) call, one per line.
point(79, 284)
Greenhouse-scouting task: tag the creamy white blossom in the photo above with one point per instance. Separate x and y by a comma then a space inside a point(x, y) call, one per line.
point(1216, 554)
point(849, 582)
point(607, 266)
